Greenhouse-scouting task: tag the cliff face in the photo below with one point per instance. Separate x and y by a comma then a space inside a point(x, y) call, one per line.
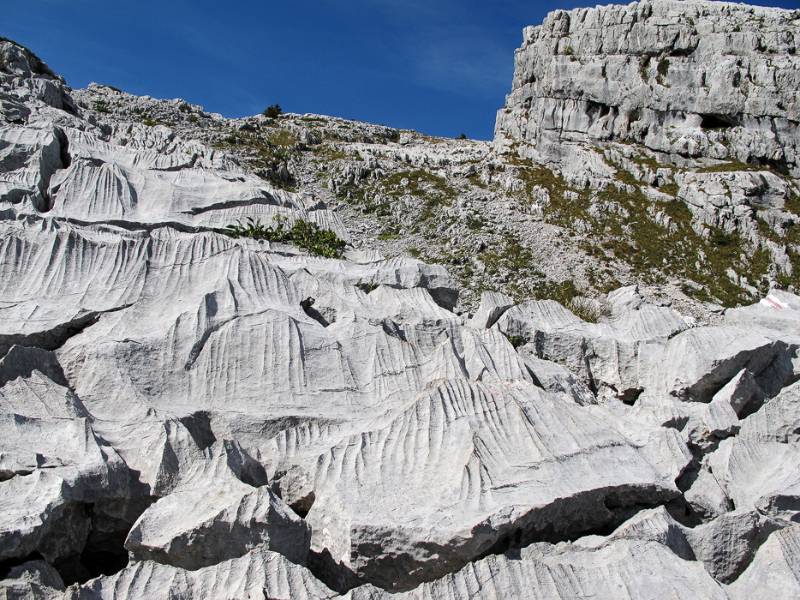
point(696, 79)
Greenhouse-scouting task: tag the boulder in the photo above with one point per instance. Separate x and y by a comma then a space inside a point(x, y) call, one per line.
point(775, 570)
point(200, 527)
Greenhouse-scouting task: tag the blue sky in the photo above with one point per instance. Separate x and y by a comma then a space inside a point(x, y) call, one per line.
point(439, 66)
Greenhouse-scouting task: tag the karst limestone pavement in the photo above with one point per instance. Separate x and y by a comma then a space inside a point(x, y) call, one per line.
point(186, 414)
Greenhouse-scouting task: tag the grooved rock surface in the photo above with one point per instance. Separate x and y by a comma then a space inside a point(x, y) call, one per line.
point(775, 570)
point(620, 569)
point(258, 574)
point(190, 413)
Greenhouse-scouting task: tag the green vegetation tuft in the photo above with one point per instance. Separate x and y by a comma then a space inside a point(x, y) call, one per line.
point(283, 138)
point(308, 236)
point(367, 286)
point(732, 166)
point(517, 340)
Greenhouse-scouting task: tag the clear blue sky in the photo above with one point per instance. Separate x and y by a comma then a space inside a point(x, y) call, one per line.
point(439, 66)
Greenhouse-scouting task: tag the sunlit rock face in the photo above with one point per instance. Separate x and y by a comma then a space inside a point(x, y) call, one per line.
point(696, 78)
point(189, 414)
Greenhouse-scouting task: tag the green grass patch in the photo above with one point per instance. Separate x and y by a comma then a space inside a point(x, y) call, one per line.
point(732, 166)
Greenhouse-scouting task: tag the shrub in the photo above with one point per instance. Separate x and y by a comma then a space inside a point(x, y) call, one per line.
point(308, 236)
point(462, 136)
point(588, 311)
point(101, 106)
point(273, 111)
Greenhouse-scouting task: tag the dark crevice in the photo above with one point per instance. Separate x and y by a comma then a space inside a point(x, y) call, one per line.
point(494, 317)
point(197, 210)
point(717, 121)
point(8, 564)
point(596, 512)
point(198, 346)
point(447, 298)
point(776, 375)
point(103, 552)
point(593, 512)
point(181, 167)
point(629, 396)
point(682, 52)
point(597, 110)
point(392, 329)
point(21, 361)
point(198, 425)
point(335, 575)
point(139, 226)
point(308, 307)
point(54, 338)
point(63, 146)
point(49, 166)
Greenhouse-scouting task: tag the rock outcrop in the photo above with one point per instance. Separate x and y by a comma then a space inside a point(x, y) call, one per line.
point(693, 78)
point(193, 411)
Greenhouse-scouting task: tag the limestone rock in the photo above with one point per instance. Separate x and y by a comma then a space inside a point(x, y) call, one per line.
point(751, 468)
point(698, 78)
point(706, 496)
point(33, 580)
point(696, 364)
point(775, 570)
point(492, 307)
point(258, 574)
point(198, 528)
point(618, 569)
point(604, 355)
point(184, 414)
point(51, 462)
point(727, 544)
point(491, 458)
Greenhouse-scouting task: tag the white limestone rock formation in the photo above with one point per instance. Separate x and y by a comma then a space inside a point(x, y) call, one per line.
point(696, 78)
point(752, 468)
point(33, 580)
point(52, 462)
point(684, 111)
point(200, 527)
point(185, 414)
point(488, 466)
point(492, 307)
point(604, 355)
point(618, 569)
point(775, 570)
point(258, 574)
